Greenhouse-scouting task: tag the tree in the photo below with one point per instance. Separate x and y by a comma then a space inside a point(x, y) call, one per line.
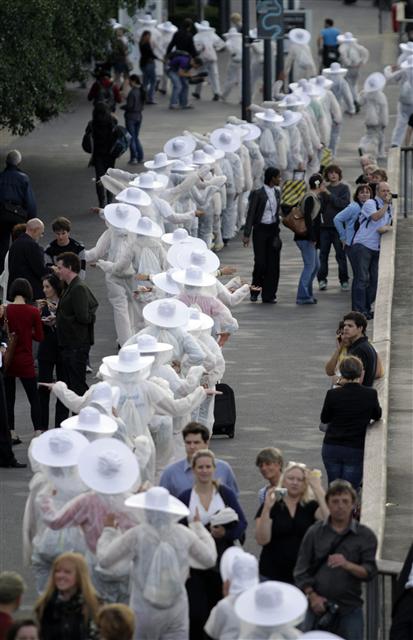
point(43, 45)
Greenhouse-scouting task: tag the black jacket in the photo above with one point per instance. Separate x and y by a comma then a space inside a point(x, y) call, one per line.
point(64, 620)
point(76, 315)
point(26, 260)
point(256, 206)
point(402, 579)
point(183, 40)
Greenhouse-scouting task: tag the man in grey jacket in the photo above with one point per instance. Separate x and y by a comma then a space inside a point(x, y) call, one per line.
point(133, 118)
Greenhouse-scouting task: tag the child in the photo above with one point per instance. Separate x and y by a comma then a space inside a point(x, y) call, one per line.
point(61, 228)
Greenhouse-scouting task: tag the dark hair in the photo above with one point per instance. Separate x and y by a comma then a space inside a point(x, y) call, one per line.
point(70, 260)
point(144, 35)
point(101, 113)
point(195, 428)
point(16, 626)
point(61, 224)
point(116, 621)
point(333, 168)
point(381, 173)
point(329, 21)
point(18, 230)
point(21, 287)
point(197, 61)
point(187, 24)
point(358, 318)
point(360, 188)
point(270, 173)
point(340, 486)
point(312, 182)
point(351, 368)
point(269, 454)
point(54, 282)
point(135, 78)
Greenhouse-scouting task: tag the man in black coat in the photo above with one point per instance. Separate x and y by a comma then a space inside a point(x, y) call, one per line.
point(183, 39)
point(402, 614)
point(263, 218)
point(26, 259)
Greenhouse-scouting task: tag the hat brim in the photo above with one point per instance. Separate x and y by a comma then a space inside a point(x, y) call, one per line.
point(109, 213)
point(168, 238)
point(343, 40)
point(168, 29)
point(175, 507)
point(114, 363)
point(156, 185)
point(253, 131)
point(154, 232)
point(144, 199)
point(340, 72)
point(291, 611)
point(182, 278)
point(179, 319)
point(160, 280)
point(189, 146)
point(232, 145)
point(150, 164)
point(41, 452)
point(161, 347)
point(200, 27)
point(406, 64)
point(277, 119)
point(293, 121)
point(380, 83)
point(127, 476)
point(179, 256)
point(205, 160)
point(106, 424)
point(204, 323)
point(305, 39)
point(227, 560)
point(188, 168)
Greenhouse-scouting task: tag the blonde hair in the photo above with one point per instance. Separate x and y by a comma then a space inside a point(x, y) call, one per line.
point(306, 496)
point(83, 584)
point(203, 453)
point(116, 622)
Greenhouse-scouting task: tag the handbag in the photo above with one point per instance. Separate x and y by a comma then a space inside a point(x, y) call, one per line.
point(295, 221)
point(12, 340)
point(87, 141)
point(11, 213)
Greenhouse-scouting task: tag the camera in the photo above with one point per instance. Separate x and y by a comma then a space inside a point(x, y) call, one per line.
point(280, 492)
point(327, 619)
point(394, 195)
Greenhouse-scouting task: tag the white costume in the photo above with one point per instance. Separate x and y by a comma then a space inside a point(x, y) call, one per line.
point(207, 43)
point(257, 60)
point(376, 115)
point(299, 59)
point(295, 159)
point(343, 94)
point(234, 47)
point(353, 56)
point(404, 76)
point(163, 36)
point(273, 140)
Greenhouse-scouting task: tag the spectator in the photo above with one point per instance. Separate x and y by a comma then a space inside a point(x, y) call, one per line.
point(26, 258)
point(308, 243)
point(236, 21)
point(147, 65)
point(179, 70)
point(23, 630)
point(366, 160)
point(270, 463)
point(68, 607)
point(63, 242)
point(116, 622)
point(183, 39)
point(345, 220)
point(347, 411)
point(104, 91)
point(283, 519)
point(12, 588)
point(334, 199)
point(75, 319)
point(15, 189)
point(375, 219)
point(23, 319)
point(48, 356)
point(375, 176)
point(263, 218)
point(335, 557)
point(103, 132)
point(206, 500)
point(402, 613)
point(133, 117)
point(327, 43)
point(178, 476)
point(119, 53)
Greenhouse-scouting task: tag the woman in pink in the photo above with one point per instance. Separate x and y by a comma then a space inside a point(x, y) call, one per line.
point(24, 320)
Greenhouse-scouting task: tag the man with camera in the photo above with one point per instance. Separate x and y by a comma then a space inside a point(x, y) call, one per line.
point(374, 220)
point(335, 557)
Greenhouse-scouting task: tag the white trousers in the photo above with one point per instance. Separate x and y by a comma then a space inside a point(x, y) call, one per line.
point(233, 77)
point(213, 78)
point(404, 112)
point(121, 298)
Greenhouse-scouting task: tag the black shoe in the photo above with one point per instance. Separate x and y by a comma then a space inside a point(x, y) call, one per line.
point(272, 301)
point(254, 296)
point(15, 441)
point(196, 95)
point(215, 98)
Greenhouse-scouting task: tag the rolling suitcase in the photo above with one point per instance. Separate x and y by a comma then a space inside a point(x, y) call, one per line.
point(224, 412)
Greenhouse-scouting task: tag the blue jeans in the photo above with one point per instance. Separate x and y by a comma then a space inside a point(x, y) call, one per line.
point(149, 80)
point(348, 626)
point(344, 463)
point(328, 237)
point(179, 96)
point(133, 127)
point(365, 263)
point(311, 265)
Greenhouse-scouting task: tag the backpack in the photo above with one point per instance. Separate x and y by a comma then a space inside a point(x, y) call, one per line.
point(107, 96)
point(362, 219)
point(87, 140)
point(121, 142)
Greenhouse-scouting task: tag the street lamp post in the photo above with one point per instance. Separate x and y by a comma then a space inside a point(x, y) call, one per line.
point(246, 73)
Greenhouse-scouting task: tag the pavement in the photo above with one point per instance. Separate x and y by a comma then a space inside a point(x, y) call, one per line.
point(275, 363)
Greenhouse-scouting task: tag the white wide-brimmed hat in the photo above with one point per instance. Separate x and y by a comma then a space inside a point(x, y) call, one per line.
point(227, 560)
point(302, 96)
point(253, 34)
point(58, 448)
point(146, 227)
point(165, 282)
point(309, 88)
point(160, 160)
point(200, 157)
point(176, 236)
point(179, 166)
point(408, 63)
point(198, 321)
point(194, 276)
point(91, 420)
point(147, 19)
point(158, 499)
point(346, 37)
point(121, 215)
point(240, 568)
point(190, 243)
point(225, 139)
point(236, 127)
point(167, 26)
point(135, 196)
point(166, 313)
point(182, 256)
point(224, 516)
point(149, 344)
point(271, 604)
point(291, 118)
point(105, 395)
point(203, 26)
point(322, 82)
point(269, 115)
point(232, 33)
point(291, 100)
point(335, 69)
point(128, 360)
point(406, 46)
point(320, 635)
point(217, 154)
point(148, 180)
point(374, 82)
point(108, 466)
point(252, 131)
point(179, 146)
point(299, 36)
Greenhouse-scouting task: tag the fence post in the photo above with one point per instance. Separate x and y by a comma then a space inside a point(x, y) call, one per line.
point(372, 609)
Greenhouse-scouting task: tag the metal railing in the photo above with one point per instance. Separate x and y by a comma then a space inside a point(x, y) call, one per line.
point(379, 599)
point(406, 180)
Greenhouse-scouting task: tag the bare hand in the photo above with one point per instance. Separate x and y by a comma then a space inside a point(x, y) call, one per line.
point(317, 603)
point(227, 270)
point(253, 287)
point(218, 531)
point(46, 385)
point(245, 241)
point(95, 210)
point(199, 213)
point(213, 392)
point(270, 498)
point(176, 365)
point(142, 276)
point(197, 517)
point(223, 338)
point(110, 520)
point(336, 560)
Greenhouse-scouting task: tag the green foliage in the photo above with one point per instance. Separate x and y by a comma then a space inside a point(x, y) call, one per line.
point(43, 44)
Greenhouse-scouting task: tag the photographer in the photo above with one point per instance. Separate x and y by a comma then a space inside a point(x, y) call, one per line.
point(375, 219)
point(335, 557)
point(179, 70)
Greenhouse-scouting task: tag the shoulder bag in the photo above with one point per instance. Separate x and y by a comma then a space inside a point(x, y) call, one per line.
point(12, 340)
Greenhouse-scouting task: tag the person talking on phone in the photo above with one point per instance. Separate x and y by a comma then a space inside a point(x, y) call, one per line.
point(284, 518)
